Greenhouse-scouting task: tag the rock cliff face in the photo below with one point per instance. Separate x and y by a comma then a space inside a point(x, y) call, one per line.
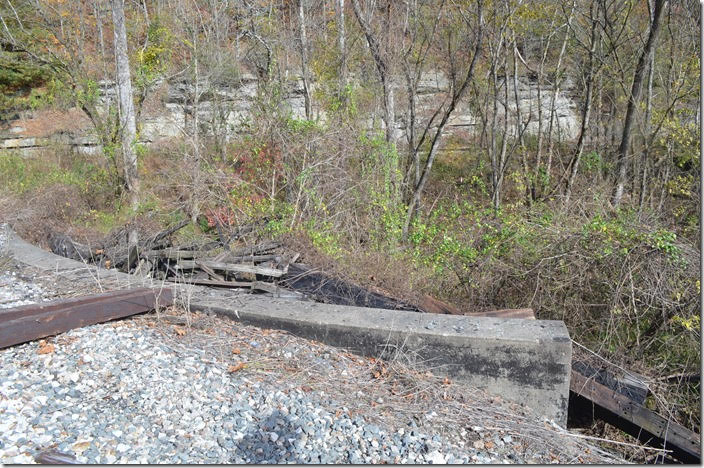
point(224, 110)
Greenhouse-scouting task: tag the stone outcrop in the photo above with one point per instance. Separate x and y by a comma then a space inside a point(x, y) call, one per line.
point(224, 110)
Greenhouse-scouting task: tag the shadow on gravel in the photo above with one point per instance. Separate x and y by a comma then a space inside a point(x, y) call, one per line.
point(272, 439)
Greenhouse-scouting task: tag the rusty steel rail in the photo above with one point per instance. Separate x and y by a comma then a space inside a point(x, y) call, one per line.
point(31, 322)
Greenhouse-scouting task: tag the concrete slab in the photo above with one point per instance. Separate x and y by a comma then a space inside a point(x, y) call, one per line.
point(526, 361)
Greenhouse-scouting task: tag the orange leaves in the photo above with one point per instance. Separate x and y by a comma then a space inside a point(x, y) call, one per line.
point(45, 348)
point(379, 370)
point(236, 367)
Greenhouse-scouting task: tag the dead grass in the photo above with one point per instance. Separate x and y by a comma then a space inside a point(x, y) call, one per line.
point(380, 272)
point(34, 215)
point(48, 122)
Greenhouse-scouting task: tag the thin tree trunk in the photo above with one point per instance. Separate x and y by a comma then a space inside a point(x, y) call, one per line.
point(555, 92)
point(501, 162)
point(101, 40)
point(341, 47)
point(458, 93)
point(304, 60)
point(528, 180)
point(195, 193)
point(384, 73)
point(633, 103)
point(574, 163)
point(128, 125)
point(586, 112)
point(648, 113)
point(519, 117)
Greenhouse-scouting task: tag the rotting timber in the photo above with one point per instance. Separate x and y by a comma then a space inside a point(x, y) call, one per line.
point(588, 396)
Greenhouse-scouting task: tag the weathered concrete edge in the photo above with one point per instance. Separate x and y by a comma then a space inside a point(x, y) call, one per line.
point(525, 361)
point(534, 372)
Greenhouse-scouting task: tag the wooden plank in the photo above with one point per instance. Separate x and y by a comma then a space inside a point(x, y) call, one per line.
point(232, 268)
point(220, 257)
point(275, 289)
point(167, 232)
point(646, 425)
point(321, 287)
point(264, 286)
point(257, 249)
point(432, 305)
point(34, 309)
point(628, 384)
point(220, 284)
point(173, 254)
point(76, 315)
point(505, 313)
point(248, 258)
point(209, 270)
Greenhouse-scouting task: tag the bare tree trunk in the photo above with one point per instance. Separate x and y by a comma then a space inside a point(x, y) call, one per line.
point(384, 71)
point(341, 46)
point(531, 179)
point(413, 63)
point(498, 164)
point(519, 117)
point(648, 113)
point(574, 162)
point(101, 41)
point(457, 90)
point(195, 191)
point(556, 92)
point(128, 124)
point(586, 112)
point(633, 103)
point(304, 60)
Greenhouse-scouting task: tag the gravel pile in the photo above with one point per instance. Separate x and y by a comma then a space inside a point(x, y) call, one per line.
point(117, 393)
point(17, 290)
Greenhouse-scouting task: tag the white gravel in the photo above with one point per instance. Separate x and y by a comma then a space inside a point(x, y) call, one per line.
point(116, 393)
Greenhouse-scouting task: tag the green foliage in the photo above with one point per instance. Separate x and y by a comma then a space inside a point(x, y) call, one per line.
point(380, 168)
point(593, 162)
point(302, 126)
point(20, 175)
point(620, 235)
point(22, 84)
point(153, 60)
point(323, 236)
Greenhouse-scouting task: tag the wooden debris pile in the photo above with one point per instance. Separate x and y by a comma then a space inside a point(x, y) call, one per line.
point(265, 267)
point(258, 267)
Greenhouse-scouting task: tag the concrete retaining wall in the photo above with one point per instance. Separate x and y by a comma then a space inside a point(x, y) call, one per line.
point(526, 361)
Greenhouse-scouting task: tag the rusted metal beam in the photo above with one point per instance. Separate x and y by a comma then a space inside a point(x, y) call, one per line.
point(33, 309)
point(638, 421)
point(29, 323)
